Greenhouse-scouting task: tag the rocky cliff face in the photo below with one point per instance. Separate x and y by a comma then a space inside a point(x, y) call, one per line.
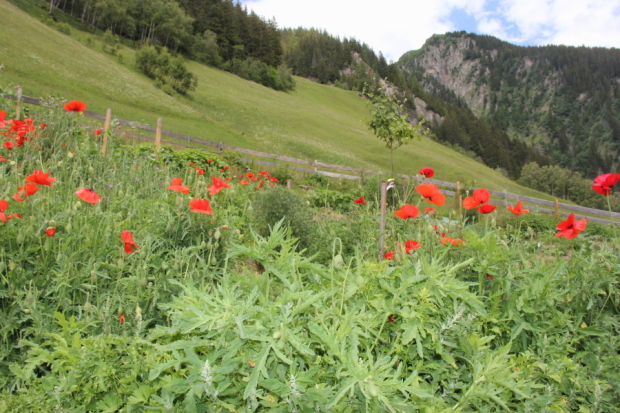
point(561, 100)
point(446, 62)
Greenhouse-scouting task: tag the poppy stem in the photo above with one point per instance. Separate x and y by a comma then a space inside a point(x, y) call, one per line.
point(611, 216)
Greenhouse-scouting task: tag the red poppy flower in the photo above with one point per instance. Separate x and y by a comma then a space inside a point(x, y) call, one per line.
point(227, 167)
point(517, 209)
point(407, 211)
point(130, 245)
point(489, 276)
point(603, 183)
point(411, 245)
point(431, 193)
point(199, 170)
point(25, 191)
point(486, 208)
point(98, 132)
point(391, 318)
point(75, 106)
point(217, 186)
point(3, 206)
point(88, 195)
point(480, 196)
point(360, 200)
point(41, 178)
point(50, 232)
point(121, 318)
point(20, 216)
point(3, 159)
point(250, 175)
point(209, 160)
point(429, 211)
point(192, 164)
point(177, 185)
point(244, 182)
point(571, 228)
point(200, 205)
point(427, 172)
point(8, 144)
point(389, 255)
point(263, 173)
point(454, 241)
point(43, 126)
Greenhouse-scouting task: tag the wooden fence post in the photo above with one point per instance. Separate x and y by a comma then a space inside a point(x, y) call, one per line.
point(382, 219)
point(458, 199)
point(158, 136)
point(106, 128)
point(505, 198)
point(556, 208)
point(288, 184)
point(18, 105)
point(404, 188)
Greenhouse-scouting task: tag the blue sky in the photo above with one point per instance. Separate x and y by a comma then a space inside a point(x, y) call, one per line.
point(398, 26)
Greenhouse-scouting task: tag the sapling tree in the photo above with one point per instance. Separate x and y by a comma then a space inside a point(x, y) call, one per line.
point(389, 122)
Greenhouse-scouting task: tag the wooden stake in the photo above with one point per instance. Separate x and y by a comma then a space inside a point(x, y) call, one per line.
point(459, 199)
point(505, 198)
point(106, 128)
point(18, 105)
point(288, 184)
point(556, 208)
point(382, 219)
point(158, 136)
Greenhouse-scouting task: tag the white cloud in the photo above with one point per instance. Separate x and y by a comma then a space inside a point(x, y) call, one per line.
point(569, 22)
point(392, 26)
point(397, 26)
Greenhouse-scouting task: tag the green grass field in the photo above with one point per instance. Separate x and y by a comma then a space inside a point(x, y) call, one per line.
point(314, 122)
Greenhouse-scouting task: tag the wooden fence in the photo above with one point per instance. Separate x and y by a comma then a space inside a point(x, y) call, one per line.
point(501, 198)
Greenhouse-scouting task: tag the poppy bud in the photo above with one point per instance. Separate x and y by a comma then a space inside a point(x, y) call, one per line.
point(209, 246)
point(29, 298)
point(138, 311)
point(360, 281)
point(217, 234)
point(213, 261)
point(337, 261)
point(93, 277)
point(68, 228)
point(51, 223)
point(77, 206)
point(20, 238)
point(91, 170)
point(59, 164)
point(69, 155)
point(88, 307)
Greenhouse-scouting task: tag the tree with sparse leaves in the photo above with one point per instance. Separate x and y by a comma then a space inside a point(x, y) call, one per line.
point(389, 121)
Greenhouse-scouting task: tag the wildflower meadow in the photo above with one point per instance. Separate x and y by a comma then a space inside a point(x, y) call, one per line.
point(185, 281)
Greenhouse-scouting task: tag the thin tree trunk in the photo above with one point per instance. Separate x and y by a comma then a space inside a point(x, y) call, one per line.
point(53, 5)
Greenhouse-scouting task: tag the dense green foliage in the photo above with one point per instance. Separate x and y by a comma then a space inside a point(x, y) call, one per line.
point(566, 184)
point(217, 32)
point(209, 315)
point(169, 71)
point(563, 100)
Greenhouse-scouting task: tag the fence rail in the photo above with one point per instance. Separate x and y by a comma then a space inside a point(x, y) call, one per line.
point(594, 215)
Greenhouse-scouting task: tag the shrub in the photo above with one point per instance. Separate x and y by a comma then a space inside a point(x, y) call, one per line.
point(159, 64)
point(273, 205)
point(205, 49)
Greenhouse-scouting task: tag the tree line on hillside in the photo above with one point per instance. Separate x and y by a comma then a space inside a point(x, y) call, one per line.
point(216, 32)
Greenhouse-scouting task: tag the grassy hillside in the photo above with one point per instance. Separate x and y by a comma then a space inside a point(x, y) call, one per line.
point(313, 122)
